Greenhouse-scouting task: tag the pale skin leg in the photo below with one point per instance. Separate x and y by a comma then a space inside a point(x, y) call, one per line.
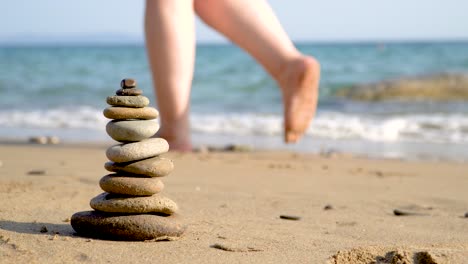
point(253, 26)
point(170, 42)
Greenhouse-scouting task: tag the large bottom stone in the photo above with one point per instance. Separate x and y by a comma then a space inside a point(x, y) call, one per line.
point(131, 130)
point(102, 225)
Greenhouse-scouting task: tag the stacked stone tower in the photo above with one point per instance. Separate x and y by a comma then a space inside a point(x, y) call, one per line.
point(131, 207)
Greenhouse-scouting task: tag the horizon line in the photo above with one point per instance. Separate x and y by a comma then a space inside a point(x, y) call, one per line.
point(227, 43)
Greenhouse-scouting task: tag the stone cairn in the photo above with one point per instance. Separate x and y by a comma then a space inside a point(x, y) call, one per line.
point(132, 208)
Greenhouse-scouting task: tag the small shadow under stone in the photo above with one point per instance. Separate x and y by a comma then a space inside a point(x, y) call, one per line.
point(37, 228)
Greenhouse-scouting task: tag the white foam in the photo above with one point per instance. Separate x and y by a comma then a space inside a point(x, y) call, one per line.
point(434, 128)
point(437, 128)
point(81, 117)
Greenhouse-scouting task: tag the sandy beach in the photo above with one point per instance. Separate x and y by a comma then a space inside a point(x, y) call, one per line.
point(232, 203)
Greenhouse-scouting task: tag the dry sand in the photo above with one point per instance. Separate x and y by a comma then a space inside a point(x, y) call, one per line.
point(232, 203)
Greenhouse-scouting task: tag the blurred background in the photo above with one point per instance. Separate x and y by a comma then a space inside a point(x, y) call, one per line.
point(394, 80)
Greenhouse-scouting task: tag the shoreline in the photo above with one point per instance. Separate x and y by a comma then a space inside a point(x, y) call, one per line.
point(233, 201)
point(409, 151)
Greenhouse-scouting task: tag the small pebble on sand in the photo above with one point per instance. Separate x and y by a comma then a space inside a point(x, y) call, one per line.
point(238, 148)
point(290, 217)
point(233, 248)
point(36, 172)
point(53, 140)
point(328, 207)
point(399, 212)
point(38, 140)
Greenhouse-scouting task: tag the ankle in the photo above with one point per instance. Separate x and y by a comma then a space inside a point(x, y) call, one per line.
point(177, 141)
point(173, 133)
point(293, 69)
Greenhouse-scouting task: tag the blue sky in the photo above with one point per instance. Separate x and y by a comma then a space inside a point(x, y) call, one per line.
point(304, 20)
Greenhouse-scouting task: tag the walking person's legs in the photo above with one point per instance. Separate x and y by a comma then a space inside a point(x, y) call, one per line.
point(170, 40)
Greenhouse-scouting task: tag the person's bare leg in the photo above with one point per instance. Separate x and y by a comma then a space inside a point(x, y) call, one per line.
point(170, 43)
point(252, 25)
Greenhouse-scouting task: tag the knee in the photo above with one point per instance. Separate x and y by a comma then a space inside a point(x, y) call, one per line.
point(203, 6)
point(199, 5)
point(168, 5)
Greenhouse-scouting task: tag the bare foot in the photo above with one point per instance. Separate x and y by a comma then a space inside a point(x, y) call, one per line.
point(177, 143)
point(299, 81)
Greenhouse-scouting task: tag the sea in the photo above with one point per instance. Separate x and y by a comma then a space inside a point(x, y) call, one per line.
point(61, 90)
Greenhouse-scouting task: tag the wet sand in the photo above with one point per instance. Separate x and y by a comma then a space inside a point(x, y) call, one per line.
point(232, 203)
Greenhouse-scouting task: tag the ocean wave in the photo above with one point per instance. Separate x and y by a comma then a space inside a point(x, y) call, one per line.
point(434, 128)
point(80, 117)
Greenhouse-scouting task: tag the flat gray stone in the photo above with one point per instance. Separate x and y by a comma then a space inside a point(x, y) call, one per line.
point(127, 227)
point(144, 149)
point(131, 184)
point(129, 92)
point(113, 203)
point(128, 101)
point(119, 113)
point(152, 167)
point(131, 130)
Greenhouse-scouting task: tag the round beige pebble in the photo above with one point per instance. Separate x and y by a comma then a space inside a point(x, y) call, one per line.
point(144, 149)
point(128, 101)
point(131, 184)
point(131, 130)
point(119, 113)
point(152, 167)
point(112, 203)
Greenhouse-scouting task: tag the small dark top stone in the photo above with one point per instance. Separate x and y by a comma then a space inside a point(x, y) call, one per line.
point(328, 207)
point(290, 217)
point(128, 83)
point(466, 215)
point(129, 92)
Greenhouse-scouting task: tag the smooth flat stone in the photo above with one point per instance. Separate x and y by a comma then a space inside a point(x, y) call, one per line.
point(144, 149)
point(131, 130)
point(128, 83)
point(153, 167)
point(118, 113)
point(129, 92)
point(113, 203)
point(130, 184)
point(127, 227)
point(128, 101)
